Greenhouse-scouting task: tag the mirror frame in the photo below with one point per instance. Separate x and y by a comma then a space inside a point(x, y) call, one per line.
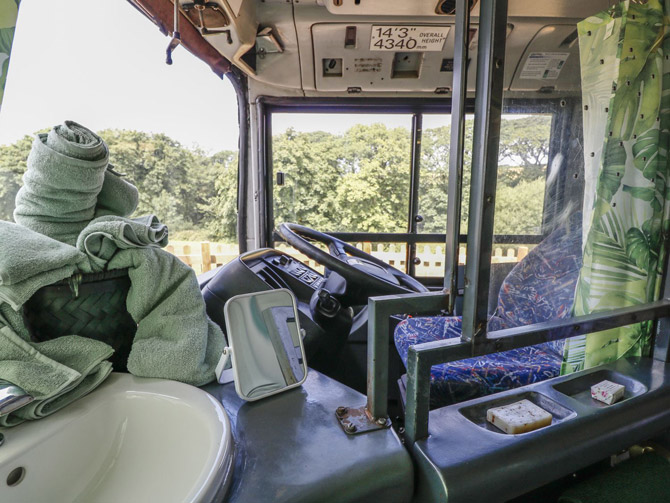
point(233, 354)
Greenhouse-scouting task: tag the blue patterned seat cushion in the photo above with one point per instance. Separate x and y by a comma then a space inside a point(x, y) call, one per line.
point(540, 288)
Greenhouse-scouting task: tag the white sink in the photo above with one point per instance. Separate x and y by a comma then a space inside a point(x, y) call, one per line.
point(131, 440)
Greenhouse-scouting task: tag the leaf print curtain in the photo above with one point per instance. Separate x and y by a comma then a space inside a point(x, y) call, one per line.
point(625, 68)
point(9, 10)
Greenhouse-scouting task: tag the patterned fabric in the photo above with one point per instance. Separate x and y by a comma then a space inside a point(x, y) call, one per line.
point(626, 137)
point(540, 288)
point(9, 10)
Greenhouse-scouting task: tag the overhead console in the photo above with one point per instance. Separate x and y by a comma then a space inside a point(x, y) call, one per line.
point(383, 57)
point(345, 47)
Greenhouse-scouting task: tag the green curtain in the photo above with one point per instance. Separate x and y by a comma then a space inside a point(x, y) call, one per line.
point(9, 10)
point(624, 55)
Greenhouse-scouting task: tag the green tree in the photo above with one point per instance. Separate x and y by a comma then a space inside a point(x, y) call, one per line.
point(312, 170)
point(12, 166)
point(374, 193)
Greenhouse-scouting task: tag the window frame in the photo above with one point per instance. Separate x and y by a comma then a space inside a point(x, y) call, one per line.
point(416, 108)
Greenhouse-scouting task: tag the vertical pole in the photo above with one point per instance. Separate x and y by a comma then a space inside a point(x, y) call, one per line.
point(206, 256)
point(488, 109)
point(414, 217)
point(458, 97)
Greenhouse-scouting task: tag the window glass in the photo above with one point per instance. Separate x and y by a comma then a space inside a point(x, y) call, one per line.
point(342, 172)
point(183, 161)
point(522, 173)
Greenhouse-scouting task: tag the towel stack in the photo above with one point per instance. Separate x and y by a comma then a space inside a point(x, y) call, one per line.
point(72, 213)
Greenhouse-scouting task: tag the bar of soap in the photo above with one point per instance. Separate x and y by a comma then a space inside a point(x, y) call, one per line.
point(607, 391)
point(518, 417)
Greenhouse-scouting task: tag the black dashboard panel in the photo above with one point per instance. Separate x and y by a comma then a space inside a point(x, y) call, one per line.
point(256, 271)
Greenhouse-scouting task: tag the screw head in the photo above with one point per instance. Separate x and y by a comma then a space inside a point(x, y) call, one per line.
point(341, 411)
point(381, 421)
point(350, 428)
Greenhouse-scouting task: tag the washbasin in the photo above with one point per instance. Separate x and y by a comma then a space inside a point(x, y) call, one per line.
point(131, 440)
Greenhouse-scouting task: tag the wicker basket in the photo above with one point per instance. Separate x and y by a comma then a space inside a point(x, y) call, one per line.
point(90, 305)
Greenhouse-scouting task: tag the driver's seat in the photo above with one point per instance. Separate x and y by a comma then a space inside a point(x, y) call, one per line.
point(539, 288)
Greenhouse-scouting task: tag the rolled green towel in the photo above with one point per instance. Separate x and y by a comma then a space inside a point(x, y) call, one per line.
point(66, 171)
point(104, 236)
point(55, 372)
point(117, 196)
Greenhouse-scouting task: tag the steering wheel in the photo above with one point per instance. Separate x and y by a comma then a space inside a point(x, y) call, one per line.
point(369, 274)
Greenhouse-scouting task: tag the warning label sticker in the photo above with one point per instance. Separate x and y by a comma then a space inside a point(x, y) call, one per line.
point(544, 65)
point(408, 38)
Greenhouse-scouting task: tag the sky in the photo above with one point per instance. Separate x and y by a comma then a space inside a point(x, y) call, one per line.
point(102, 63)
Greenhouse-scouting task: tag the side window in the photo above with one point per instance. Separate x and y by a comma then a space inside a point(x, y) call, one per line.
point(183, 162)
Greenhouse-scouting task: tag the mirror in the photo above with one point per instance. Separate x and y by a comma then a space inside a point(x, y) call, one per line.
point(265, 344)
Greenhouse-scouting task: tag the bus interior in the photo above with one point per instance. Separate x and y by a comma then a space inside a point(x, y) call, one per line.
point(506, 256)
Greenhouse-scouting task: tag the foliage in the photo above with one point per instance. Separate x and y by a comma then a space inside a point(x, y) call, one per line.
point(356, 181)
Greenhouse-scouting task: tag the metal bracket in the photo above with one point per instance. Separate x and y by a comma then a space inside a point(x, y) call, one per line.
point(355, 421)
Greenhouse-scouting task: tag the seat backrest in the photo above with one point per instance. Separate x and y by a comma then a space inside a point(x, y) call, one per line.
point(542, 286)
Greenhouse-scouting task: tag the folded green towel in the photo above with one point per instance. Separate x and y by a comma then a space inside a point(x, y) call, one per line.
point(66, 170)
point(117, 196)
point(55, 372)
point(104, 236)
point(175, 339)
point(29, 261)
point(25, 253)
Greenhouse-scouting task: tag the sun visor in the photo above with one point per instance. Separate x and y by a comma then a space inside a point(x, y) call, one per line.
point(161, 12)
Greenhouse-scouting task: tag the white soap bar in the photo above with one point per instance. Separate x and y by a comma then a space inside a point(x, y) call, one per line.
point(518, 417)
point(608, 392)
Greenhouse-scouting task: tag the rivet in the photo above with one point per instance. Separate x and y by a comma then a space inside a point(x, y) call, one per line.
point(602, 61)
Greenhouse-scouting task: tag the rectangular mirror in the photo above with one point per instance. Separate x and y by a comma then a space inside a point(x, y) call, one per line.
point(265, 344)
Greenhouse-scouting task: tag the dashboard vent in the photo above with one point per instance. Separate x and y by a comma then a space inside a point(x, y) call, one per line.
point(271, 278)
